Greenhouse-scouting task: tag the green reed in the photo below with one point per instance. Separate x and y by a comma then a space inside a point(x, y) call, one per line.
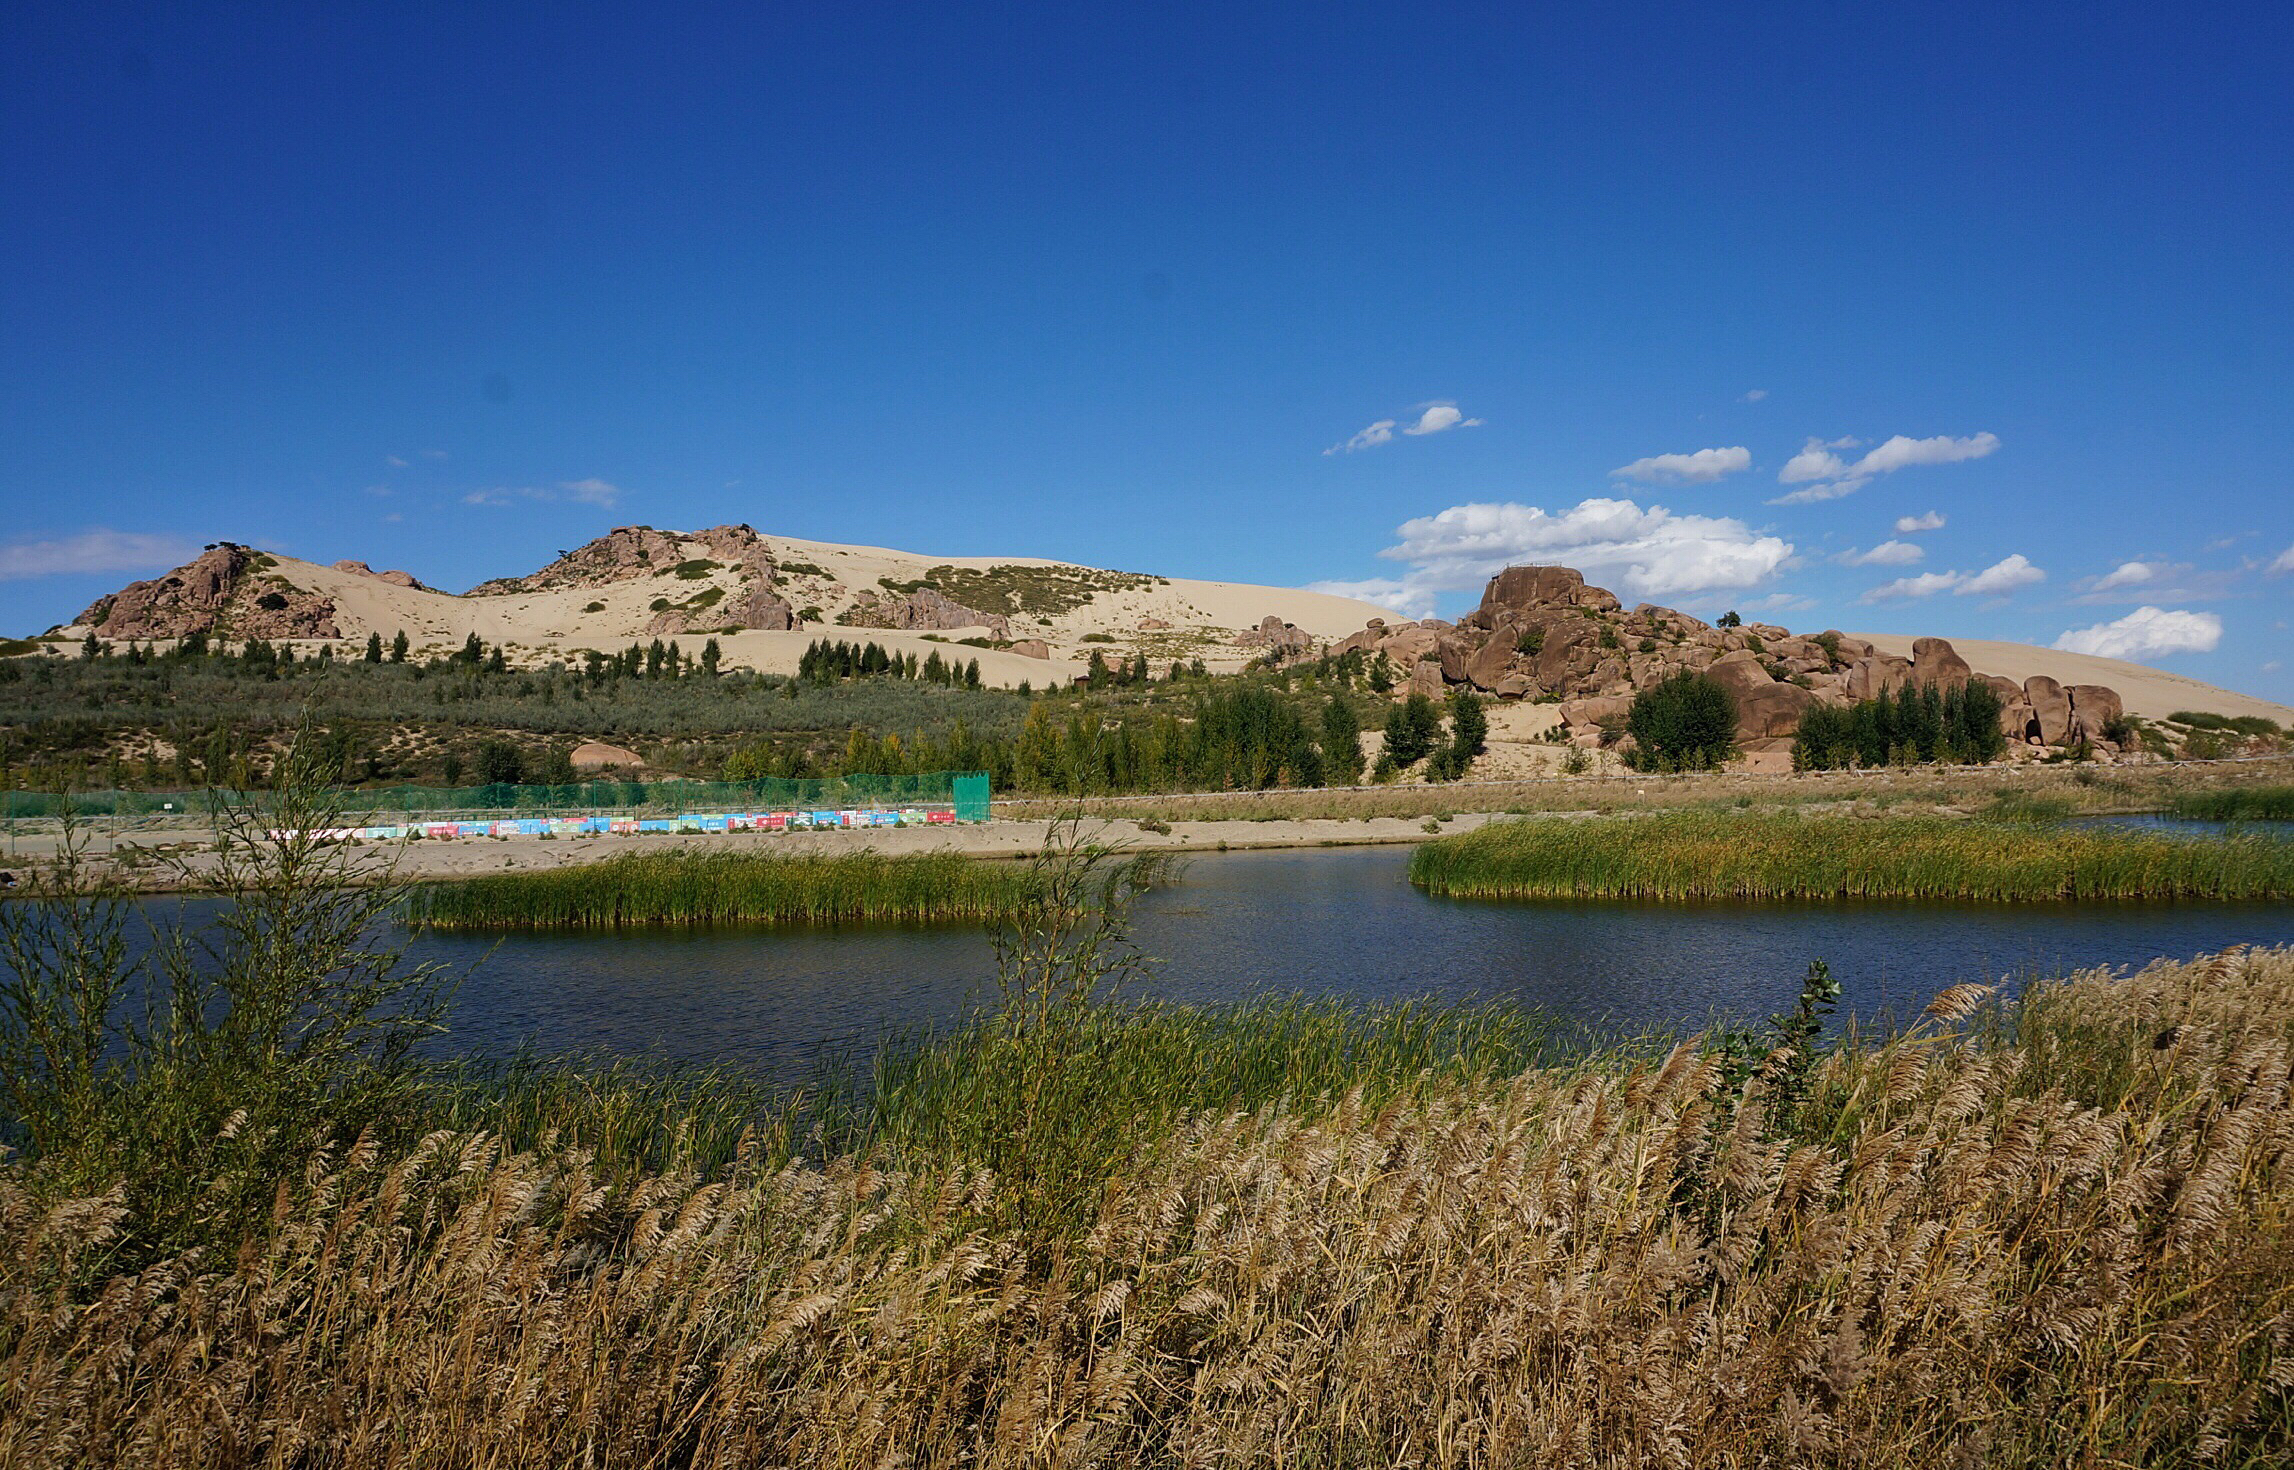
point(725, 887)
point(1694, 855)
point(2237, 803)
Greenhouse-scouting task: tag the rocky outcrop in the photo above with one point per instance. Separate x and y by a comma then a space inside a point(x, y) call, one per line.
point(1275, 634)
point(394, 577)
point(927, 609)
point(1032, 648)
point(223, 591)
point(619, 555)
point(1542, 631)
point(592, 756)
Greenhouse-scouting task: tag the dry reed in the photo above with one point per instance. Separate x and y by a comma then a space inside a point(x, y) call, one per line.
point(2056, 1234)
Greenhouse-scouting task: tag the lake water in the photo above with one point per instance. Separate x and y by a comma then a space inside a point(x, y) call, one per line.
point(1331, 921)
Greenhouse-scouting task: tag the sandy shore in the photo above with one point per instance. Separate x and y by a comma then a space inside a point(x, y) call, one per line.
point(157, 861)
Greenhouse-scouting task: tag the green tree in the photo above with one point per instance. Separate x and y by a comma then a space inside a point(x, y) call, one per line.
point(1686, 723)
point(398, 647)
point(1469, 724)
point(1411, 728)
point(500, 764)
point(1341, 742)
point(473, 651)
point(374, 648)
point(711, 656)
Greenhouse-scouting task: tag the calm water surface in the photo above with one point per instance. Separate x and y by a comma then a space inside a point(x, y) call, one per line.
point(1337, 921)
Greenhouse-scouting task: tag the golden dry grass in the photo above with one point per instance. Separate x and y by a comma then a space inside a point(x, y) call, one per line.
point(2058, 1236)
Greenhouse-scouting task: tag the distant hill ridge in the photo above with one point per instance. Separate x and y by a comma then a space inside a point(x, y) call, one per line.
point(766, 597)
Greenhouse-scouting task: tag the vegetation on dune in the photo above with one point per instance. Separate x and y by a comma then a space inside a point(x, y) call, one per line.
point(1705, 855)
point(730, 887)
point(2057, 1229)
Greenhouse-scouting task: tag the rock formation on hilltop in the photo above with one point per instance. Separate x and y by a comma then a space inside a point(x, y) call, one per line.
point(229, 588)
point(926, 609)
point(1542, 632)
point(629, 552)
point(394, 577)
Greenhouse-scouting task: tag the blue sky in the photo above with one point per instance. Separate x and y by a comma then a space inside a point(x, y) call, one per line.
point(452, 288)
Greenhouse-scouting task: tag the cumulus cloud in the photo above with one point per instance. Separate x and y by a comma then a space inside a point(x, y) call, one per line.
point(1826, 475)
point(1381, 432)
point(2147, 632)
point(1886, 554)
point(1700, 467)
point(2129, 574)
point(98, 550)
point(1913, 525)
point(1433, 418)
point(2000, 578)
point(2285, 561)
point(1641, 552)
point(1440, 416)
point(1997, 580)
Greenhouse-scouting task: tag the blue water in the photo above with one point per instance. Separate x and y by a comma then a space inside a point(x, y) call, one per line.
point(1337, 921)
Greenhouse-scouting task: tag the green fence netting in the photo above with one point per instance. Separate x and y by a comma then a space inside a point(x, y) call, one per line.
point(967, 791)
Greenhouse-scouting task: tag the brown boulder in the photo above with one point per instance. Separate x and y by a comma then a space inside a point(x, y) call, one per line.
point(1772, 712)
point(2094, 707)
point(1873, 673)
point(1032, 648)
point(2050, 708)
point(1586, 714)
point(1934, 661)
point(595, 755)
point(1527, 587)
point(1493, 661)
point(1426, 678)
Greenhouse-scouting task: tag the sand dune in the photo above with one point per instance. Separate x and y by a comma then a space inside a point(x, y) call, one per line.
point(2151, 693)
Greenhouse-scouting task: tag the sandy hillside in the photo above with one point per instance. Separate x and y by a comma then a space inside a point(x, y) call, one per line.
point(1073, 611)
point(2151, 693)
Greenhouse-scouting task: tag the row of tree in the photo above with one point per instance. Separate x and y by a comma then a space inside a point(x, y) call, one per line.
point(1956, 725)
point(824, 662)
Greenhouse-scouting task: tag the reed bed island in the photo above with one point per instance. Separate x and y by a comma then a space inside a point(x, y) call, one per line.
point(726, 887)
point(1693, 856)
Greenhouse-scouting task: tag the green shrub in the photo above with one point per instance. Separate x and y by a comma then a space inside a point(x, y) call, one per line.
point(1686, 723)
point(1411, 728)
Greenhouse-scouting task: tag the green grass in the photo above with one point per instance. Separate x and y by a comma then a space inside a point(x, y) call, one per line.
point(723, 887)
point(1718, 855)
point(2237, 803)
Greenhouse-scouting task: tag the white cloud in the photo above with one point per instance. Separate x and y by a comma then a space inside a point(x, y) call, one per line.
point(2129, 574)
point(2285, 561)
point(1614, 542)
point(1754, 396)
point(1926, 584)
point(434, 454)
point(1701, 467)
point(592, 491)
point(1900, 452)
point(1433, 418)
point(1816, 461)
point(2146, 633)
point(395, 462)
point(1820, 467)
point(1440, 416)
point(1387, 592)
point(99, 550)
point(1913, 525)
point(1886, 554)
point(1381, 432)
point(2000, 578)
point(1997, 580)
